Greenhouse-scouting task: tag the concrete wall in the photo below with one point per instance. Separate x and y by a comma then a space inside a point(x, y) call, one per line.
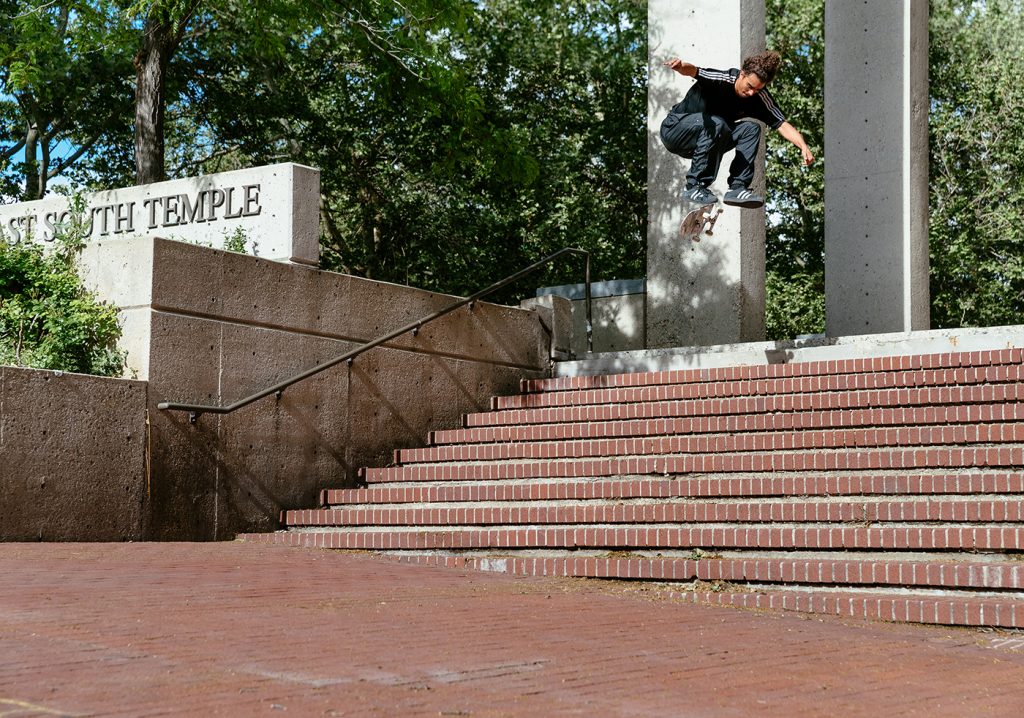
point(876, 166)
point(208, 326)
point(72, 457)
point(712, 291)
point(618, 314)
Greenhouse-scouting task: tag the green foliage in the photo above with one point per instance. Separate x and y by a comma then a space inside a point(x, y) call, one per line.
point(47, 319)
point(65, 93)
point(795, 258)
point(976, 148)
point(456, 143)
point(238, 240)
point(171, 11)
point(566, 81)
point(796, 305)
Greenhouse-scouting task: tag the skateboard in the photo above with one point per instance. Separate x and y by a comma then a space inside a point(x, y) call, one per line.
point(699, 220)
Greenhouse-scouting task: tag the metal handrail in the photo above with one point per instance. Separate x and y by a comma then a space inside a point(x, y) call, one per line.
point(196, 410)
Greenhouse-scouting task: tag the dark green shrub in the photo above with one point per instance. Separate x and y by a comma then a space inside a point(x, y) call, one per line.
point(795, 304)
point(48, 320)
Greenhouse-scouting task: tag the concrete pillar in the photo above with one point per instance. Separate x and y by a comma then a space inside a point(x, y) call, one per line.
point(711, 292)
point(876, 166)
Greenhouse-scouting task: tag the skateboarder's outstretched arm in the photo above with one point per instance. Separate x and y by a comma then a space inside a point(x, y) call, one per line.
point(683, 68)
point(793, 135)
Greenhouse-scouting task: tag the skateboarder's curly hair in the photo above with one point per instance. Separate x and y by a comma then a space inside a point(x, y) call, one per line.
point(764, 65)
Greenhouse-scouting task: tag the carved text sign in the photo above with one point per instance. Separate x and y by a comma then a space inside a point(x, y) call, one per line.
point(274, 210)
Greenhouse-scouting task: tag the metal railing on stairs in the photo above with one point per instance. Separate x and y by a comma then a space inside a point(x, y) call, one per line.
point(196, 410)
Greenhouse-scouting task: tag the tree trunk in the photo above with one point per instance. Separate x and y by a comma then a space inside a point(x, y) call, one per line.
point(31, 163)
point(44, 164)
point(150, 72)
point(161, 35)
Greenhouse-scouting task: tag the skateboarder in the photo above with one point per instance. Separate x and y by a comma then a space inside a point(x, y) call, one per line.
point(706, 125)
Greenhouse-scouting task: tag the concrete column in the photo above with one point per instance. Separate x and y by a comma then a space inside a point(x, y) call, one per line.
point(876, 166)
point(711, 292)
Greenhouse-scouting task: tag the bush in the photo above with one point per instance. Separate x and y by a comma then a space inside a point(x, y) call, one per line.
point(795, 305)
point(48, 320)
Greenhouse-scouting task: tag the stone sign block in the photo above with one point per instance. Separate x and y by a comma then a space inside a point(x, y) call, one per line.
point(275, 210)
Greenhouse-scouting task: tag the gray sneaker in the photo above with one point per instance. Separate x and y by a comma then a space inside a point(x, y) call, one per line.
point(700, 195)
point(743, 197)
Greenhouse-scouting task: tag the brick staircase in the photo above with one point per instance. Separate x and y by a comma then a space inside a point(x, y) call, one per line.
point(889, 488)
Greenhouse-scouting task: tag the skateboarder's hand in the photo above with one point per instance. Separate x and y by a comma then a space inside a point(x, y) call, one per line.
point(683, 68)
point(793, 135)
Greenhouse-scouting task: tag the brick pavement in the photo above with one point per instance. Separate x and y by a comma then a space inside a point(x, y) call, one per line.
point(245, 630)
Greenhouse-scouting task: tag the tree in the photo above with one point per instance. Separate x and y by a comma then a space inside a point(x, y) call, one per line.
point(453, 145)
point(795, 246)
point(63, 100)
point(569, 78)
point(163, 27)
point(976, 161)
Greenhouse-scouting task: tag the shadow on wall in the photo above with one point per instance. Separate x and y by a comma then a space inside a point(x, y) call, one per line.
point(619, 324)
point(231, 473)
point(706, 292)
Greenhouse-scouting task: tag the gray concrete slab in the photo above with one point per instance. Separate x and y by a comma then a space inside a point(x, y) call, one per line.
point(72, 457)
point(815, 348)
point(713, 291)
point(876, 166)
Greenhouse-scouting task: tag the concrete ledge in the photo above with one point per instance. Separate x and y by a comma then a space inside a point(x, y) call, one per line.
point(815, 348)
point(72, 457)
point(610, 288)
point(184, 280)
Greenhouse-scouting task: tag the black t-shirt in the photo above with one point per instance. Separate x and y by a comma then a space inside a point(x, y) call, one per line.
point(715, 93)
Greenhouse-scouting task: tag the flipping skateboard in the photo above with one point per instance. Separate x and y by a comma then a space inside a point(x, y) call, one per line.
point(699, 221)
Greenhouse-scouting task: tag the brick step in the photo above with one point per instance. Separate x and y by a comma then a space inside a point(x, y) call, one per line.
point(937, 592)
point(737, 423)
point(959, 606)
point(874, 510)
point(962, 435)
point(938, 457)
point(870, 399)
point(946, 360)
point(897, 483)
point(967, 376)
point(891, 487)
point(965, 576)
point(994, 537)
point(895, 607)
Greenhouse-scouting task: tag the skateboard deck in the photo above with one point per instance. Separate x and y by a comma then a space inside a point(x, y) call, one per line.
point(699, 221)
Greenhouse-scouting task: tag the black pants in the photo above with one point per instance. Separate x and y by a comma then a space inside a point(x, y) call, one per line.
point(704, 138)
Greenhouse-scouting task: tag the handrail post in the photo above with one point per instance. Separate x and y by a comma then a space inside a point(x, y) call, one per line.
point(590, 315)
